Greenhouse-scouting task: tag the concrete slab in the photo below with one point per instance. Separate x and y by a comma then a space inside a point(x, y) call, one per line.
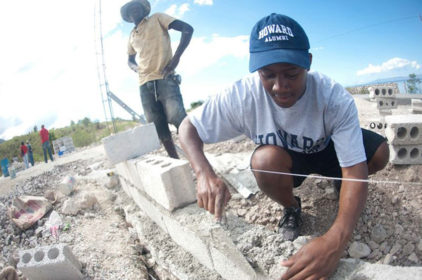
point(131, 143)
point(406, 154)
point(404, 129)
point(54, 262)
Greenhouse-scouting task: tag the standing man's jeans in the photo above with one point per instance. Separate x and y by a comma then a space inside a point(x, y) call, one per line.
point(25, 160)
point(162, 103)
point(45, 147)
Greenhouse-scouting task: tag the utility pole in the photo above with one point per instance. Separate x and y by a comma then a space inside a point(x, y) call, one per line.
point(101, 68)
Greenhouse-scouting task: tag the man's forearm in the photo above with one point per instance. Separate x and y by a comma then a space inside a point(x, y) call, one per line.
point(351, 203)
point(193, 146)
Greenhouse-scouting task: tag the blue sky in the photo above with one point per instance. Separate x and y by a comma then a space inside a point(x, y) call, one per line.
point(48, 57)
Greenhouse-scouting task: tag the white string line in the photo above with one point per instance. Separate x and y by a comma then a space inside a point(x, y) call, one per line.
point(338, 178)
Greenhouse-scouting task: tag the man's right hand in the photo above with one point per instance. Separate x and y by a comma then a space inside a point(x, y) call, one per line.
point(212, 194)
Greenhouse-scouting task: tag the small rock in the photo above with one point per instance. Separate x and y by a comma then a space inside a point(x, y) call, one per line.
point(237, 196)
point(373, 245)
point(396, 248)
point(378, 233)
point(359, 250)
point(408, 249)
point(330, 193)
point(387, 259)
point(413, 258)
point(385, 248)
point(241, 212)
point(401, 188)
point(399, 230)
point(394, 200)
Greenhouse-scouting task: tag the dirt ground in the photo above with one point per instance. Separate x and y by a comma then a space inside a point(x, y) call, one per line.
point(391, 225)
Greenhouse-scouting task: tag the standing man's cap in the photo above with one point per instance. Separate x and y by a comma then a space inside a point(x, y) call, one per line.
point(278, 39)
point(124, 10)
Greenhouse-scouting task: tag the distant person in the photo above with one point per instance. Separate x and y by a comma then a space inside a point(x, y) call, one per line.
point(149, 44)
point(304, 122)
point(45, 141)
point(30, 154)
point(24, 154)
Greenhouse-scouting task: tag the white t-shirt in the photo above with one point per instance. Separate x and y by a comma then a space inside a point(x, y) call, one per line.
point(325, 111)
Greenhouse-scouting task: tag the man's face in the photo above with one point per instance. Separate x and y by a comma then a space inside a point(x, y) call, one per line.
point(285, 83)
point(136, 13)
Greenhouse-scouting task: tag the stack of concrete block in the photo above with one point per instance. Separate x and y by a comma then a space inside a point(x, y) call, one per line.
point(131, 143)
point(54, 262)
point(385, 98)
point(63, 145)
point(404, 134)
point(416, 106)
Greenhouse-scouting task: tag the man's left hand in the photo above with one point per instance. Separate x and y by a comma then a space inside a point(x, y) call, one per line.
point(316, 260)
point(170, 66)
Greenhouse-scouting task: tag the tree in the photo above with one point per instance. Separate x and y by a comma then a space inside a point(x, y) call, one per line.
point(86, 121)
point(195, 104)
point(412, 83)
point(35, 128)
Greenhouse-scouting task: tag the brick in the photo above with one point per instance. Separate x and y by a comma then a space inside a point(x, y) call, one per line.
point(168, 181)
point(409, 154)
point(381, 91)
point(386, 103)
point(127, 169)
point(404, 129)
point(417, 106)
point(54, 262)
point(131, 143)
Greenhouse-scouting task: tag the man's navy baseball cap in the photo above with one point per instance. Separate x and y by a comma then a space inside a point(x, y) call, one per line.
point(278, 39)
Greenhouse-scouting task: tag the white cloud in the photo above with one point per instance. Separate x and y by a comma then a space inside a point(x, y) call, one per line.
point(203, 52)
point(203, 2)
point(177, 11)
point(392, 64)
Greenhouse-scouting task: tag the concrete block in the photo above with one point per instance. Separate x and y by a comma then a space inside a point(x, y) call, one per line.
point(404, 129)
point(168, 181)
point(409, 154)
point(384, 103)
point(416, 106)
point(54, 262)
point(381, 91)
point(131, 143)
point(127, 170)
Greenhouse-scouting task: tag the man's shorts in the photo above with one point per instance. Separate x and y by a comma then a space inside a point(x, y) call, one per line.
point(325, 162)
point(162, 103)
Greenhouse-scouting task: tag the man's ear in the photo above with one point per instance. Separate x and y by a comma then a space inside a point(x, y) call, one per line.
point(310, 61)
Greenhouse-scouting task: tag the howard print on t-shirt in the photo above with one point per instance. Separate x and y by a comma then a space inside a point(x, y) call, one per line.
point(293, 142)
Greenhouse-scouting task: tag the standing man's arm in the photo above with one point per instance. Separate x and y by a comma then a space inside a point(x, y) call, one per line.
point(319, 258)
point(187, 32)
point(131, 61)
point(212, 193)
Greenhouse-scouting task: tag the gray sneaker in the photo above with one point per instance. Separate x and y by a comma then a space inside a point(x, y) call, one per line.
point(289, 226)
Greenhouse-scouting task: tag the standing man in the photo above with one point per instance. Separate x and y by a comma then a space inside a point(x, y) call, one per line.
point(304, 123)
point(45, 141)
point(24, 154)
point(30, 153)
point(149, 44)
